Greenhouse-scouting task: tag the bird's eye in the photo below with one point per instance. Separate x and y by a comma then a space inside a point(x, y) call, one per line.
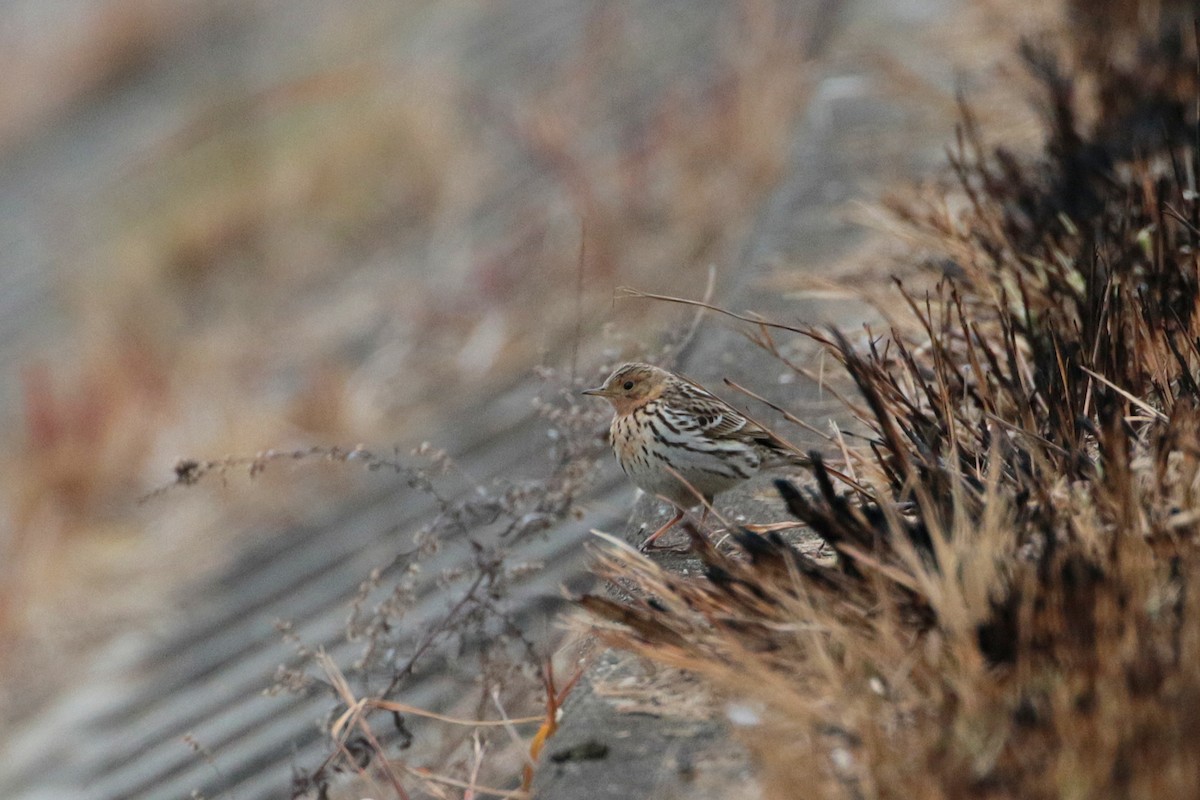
point(628, 385)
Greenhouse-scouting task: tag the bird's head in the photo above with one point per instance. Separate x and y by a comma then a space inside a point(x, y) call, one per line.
point(631, 386)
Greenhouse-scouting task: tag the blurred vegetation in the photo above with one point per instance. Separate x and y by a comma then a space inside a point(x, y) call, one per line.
point(346, 239)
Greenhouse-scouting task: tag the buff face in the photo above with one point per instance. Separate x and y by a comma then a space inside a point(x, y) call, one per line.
point(631, 386)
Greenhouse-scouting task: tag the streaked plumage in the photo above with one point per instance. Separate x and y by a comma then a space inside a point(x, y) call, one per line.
point(667, 427)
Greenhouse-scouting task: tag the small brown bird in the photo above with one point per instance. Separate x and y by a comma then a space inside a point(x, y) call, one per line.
point(677, 441)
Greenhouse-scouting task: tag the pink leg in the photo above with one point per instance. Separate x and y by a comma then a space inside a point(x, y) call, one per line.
point(671, 523)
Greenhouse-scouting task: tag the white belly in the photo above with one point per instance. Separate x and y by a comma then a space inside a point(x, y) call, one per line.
point(656, 465)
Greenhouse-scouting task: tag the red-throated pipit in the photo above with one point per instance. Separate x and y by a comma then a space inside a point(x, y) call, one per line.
point(677, 441)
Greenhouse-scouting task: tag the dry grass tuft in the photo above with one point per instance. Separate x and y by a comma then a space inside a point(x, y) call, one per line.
point(446, 612)
point(1011, 611)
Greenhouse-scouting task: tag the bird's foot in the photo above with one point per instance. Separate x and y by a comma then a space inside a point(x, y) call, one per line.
point(646, 545)
point(650, 546)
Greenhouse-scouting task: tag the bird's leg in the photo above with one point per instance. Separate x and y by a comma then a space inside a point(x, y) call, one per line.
point(671, 523)
point(708, 507)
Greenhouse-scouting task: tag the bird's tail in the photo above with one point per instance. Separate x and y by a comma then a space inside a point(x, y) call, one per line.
point(777, 453)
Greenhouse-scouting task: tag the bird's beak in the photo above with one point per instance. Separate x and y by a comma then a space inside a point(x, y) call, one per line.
point(597, 392)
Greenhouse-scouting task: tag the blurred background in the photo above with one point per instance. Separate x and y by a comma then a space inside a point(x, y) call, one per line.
point(232, 226)
point(236, 225)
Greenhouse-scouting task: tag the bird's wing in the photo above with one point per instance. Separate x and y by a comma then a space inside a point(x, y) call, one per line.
point(716, 418)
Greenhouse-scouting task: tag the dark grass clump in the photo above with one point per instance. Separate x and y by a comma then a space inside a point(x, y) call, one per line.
point(1013, 609)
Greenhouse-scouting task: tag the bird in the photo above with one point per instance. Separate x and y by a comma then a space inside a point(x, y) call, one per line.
point(678, 441)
